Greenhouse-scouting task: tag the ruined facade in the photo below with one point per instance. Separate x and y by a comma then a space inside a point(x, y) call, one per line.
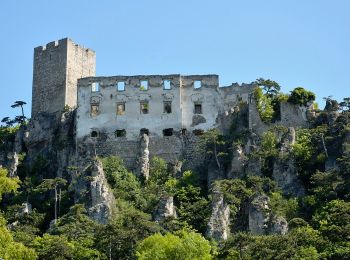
point(113, 113)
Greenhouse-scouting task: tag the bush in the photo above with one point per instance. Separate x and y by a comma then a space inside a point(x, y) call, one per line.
point(264, 105)
point(180, 245)
point(300, 96)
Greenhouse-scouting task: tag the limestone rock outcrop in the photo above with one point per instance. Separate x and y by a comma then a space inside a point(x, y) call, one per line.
point(262, 220)
point(144, 157)
point(165, 209)
point(102, 201)
point(259, 214)
point(219, 222)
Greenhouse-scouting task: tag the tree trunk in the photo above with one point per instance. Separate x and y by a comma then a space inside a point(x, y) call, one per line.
point(55, 204)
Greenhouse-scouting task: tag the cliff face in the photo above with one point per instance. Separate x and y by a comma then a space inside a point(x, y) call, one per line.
point(52, 139)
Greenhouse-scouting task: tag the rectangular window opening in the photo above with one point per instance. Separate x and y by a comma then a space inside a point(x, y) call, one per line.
point(144, 131)
point(166, 84)
point(95, 109)
point(198, 108)
point(120, 133)
point(167, 107)
point(198, 132)
point(95, 87)
point(144, 85)
point(197, 84)
point(120, 109)
point(121, 86)
point(144, 108)
point(168, 132)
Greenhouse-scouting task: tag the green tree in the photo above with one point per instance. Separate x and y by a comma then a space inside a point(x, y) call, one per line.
point(8, 248)
point(264, 105)
point(7, 184)
point(56, 185)
point(19, 104)
point(118, 239)
point(333, 221)
point(302, 97)
point(213, 143)
point(270, 87)
point(180, 245)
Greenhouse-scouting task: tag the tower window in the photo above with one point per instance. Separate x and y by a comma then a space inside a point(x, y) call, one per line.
point(120, 109)
point(121, 86)
point(144, 85)
point(95, 110)
point(144, 131)
point(198, 108)
point(197, 84)
point(95, 87)
point(167, 107)
point(120, 133)
point(94, 134)
point(168, 132)
point(144, 107)
point(166, 84)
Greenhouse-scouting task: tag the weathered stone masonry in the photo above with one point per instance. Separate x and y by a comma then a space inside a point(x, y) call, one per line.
point(112, 113)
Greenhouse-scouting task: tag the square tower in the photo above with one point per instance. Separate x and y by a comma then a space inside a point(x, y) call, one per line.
point(57, 67)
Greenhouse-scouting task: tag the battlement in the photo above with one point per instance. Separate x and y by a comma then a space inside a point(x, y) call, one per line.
point(57, 67)
point(52, 46)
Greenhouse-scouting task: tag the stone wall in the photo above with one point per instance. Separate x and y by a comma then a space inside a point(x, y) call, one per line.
point(57, 66)
point(104, 107)
point(291, 116)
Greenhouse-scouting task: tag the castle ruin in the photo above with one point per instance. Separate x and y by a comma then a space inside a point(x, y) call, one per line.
point(112, 113)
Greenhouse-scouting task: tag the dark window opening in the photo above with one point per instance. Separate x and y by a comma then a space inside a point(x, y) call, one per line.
point(144, 107)
point(120, 133)
point(198, 132)
point(94, 110)
point(94, 134)
point(120, 109)
point(168, 132)
point(167, 107)
point(144, 131)
point(198, 108)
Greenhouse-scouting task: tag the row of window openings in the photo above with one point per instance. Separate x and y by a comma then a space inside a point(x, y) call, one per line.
point(166, 132)
point(144, 108)
point(143, 85)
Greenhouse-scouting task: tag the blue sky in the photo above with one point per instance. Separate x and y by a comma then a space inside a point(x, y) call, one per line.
point(296, 43)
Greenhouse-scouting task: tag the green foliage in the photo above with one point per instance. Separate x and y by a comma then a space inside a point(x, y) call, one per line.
point(125, 185)
point(270, 87)
point(264, 105)
point(7, 134)
point(118, 238)
point(180, 245)
point(333, 221)
point(7, 184)
point(281, 206)
point(300, 243)
point(235, 192)
point(12, 250)
point(58, 247)
point(302, 97)
point(213, 144)
point(303, 149)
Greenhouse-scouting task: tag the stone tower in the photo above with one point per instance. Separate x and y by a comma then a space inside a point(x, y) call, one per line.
point(57, 67)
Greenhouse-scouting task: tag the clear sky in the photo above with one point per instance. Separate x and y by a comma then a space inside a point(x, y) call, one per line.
point(296, 43)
